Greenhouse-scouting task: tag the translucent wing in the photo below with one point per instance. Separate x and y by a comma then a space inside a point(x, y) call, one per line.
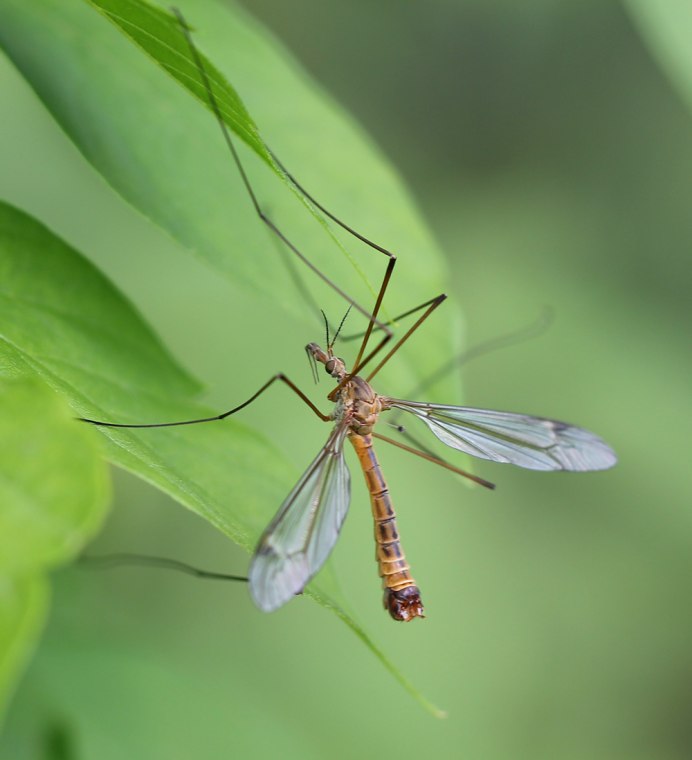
point(535, 443)
point(302, 534)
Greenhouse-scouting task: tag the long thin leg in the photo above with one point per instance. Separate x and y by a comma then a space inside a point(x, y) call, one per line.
point(422, 450)
point(280, 376)
point(436, 460)
point(532, 330)
point(108, 561)
point(360, 362)
point(392, 321)
point(410, 438)
point(326, 211)
point(298, 281)
point(373, 322)
point(536, 328)
point(255, 202)
point(433, 304)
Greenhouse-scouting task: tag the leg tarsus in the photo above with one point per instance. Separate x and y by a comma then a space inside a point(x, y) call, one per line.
point(279, 376)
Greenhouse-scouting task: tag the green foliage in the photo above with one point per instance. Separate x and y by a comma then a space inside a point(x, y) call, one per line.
point(23, 607)
point(165, 155)
point(160, 35)
point(53, 495)
point(68, 324)
point(94, 348)
point(666, 25)
point(554, 158)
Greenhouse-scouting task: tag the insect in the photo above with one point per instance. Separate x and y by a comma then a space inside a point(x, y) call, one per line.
point(301, 536)
point(297, 542)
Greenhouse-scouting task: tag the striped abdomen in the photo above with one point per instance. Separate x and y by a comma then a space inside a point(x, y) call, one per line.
point(401, 595)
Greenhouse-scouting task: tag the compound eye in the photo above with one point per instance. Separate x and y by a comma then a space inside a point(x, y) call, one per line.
point(329, 365)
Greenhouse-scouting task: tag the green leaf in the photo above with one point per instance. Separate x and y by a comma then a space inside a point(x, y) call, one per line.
point(23, 607)
point(665, 26)
point(53, 483)
point(160, 35)
point(163, 152)
point(53, 494)
point(88, 342)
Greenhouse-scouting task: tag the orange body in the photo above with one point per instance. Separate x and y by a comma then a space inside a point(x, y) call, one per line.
point(359, 406)
point(401, 594)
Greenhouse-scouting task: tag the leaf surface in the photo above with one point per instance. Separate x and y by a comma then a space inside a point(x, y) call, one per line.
point(54, 491)
point(665, 26)
point(162, 151)
point(91, 345)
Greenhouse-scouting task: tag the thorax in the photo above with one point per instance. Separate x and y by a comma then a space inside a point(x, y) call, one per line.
point(360, 405)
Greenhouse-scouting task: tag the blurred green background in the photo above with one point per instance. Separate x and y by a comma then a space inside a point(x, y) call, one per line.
point(553, 160)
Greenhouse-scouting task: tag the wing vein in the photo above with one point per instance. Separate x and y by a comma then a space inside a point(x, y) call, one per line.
point(535, 443)
point(301, 536)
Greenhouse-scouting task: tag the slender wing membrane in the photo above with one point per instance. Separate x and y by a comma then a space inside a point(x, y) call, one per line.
point(302, 534)
point(535, 443)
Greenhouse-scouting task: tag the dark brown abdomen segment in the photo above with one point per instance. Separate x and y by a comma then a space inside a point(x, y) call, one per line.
point(401, 595)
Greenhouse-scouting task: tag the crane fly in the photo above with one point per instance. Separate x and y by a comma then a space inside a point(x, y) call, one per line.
point(297, 542)
point(299, 539)
point(304, 531)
